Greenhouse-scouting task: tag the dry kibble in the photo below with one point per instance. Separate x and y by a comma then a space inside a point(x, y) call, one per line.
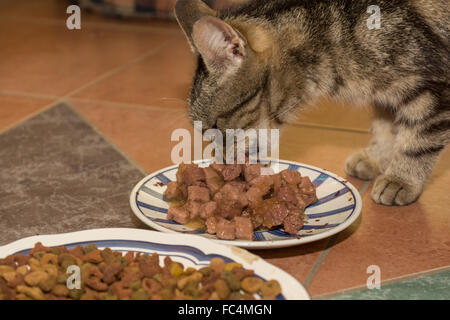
point(270, 289)
point(217, 264)
point(34, 292)
point(251, 284)
point(9, 276)
point(222, 289)
point(33, 278)
point(4, 269)
point(104, 276)
point(49, 258)
point(230, 266)
point(60, 290)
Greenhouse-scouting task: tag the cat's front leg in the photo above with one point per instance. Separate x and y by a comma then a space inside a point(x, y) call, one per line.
point(416, 148)
point(369, 163)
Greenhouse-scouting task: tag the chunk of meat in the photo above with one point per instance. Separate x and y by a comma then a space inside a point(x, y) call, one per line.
point(198, 194)
point(255, 196)
point(287, 194)
point(244, 228)
point(194, 208)
point(214, 180)
point(231, 172)
point(218, 167)
point(292, 224)
point(230, 201)
point(291, 176)
point(265, 183)
point(190, 174)
point(242, 186)
point(252, 171)
point(308, 191)
point(272, 212)
point(178, 214)
point(226, 229)
point(208, 209)
point(172, 192)
point(211, 225)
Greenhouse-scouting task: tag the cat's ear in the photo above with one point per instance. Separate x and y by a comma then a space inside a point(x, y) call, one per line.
point(187, 13)
point(221, 46)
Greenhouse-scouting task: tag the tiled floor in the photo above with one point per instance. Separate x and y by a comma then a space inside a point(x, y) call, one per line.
point(125, 85)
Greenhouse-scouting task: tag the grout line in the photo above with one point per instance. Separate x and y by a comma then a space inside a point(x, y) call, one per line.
point(31, 115)
point(127, 105)
point(115, 147)
point(87, 100)
point(28, 95)
point(119, 68)
point(319, 261)
point(87, 85)
point(412, 276)
point(321, 126)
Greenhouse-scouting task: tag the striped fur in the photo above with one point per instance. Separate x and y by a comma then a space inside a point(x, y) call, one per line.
point(261, 62)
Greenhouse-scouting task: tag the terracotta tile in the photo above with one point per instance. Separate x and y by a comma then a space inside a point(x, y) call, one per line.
point(336, 114)
point(50, 59)
point(324, 148)
point(297, 261)
point(14, 109)
point(163, 79)
point(400, 240)
point(47, 11)
point(144, 135)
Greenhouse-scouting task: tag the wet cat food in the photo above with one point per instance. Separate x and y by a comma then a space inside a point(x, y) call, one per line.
point(232, 201)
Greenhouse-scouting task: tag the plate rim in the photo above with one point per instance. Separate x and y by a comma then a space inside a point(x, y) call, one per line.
point(295, 289)
point(268, 244)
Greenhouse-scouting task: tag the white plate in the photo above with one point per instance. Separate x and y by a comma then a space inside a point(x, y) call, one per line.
point(191, 251)
point(338, 207)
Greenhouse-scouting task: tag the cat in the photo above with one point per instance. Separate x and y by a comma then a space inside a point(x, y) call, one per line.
point(261, 61)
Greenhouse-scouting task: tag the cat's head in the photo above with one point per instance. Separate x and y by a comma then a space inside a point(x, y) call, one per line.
point(230, 87)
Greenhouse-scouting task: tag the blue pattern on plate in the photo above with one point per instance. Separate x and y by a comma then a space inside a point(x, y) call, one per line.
point(340, 212)
point(195, 255)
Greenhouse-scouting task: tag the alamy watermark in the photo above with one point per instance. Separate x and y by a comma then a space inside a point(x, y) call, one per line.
point(374, 21)
point(73, 22)
point(232, 146)
point(374, 281)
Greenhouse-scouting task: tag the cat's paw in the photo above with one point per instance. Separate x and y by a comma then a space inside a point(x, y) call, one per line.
point(359, 165)
point(390, 191)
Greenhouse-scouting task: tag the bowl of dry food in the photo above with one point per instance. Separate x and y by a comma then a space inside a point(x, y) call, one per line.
point(290, 204)
point(124, 264)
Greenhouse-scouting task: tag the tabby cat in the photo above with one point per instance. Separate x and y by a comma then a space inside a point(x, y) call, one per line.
point(261, 61)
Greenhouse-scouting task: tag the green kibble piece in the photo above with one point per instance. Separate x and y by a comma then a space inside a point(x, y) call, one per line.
point(110, 297)
point(123, 262)
point(89, 248)
point(191, 289)
point(231, 279)
point(141, 294)
point(107, 255)
point(39, 255)
point(55, 250)
point(135, 286)
point(62, 279)
point(158, 277)
point(236, 295)
point(76, 294)
point(206, 271)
